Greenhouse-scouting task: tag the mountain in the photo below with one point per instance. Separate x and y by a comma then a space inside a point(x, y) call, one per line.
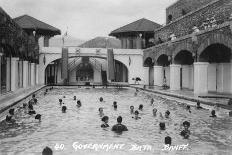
point(102, 42)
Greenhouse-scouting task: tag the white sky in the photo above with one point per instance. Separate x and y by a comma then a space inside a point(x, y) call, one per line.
point(87, 19)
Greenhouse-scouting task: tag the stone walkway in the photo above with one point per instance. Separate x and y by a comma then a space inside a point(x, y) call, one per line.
point(10, 99)
point(209, 99)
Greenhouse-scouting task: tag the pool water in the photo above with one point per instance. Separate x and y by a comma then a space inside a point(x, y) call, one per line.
point(60, 131)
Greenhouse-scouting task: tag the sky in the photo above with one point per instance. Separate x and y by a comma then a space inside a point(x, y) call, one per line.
point(87, 19)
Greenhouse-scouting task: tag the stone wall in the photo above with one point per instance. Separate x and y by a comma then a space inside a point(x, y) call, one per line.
point(221, 9)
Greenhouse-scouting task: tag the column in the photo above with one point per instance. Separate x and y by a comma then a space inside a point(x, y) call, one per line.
point(127, 43)
point(175, 77)
point(200, 77)
point(14, 73)
point(25, 74)
point(20, 74)
point(8, 73)
point(46, 41)
point(32, 74)
point(158, 75)
point(146, 76)
point(29, 74)
point(0, 72)
point(37, 74)
point(139, 43)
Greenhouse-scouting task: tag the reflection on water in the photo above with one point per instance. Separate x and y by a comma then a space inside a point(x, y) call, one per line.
point(82, 125)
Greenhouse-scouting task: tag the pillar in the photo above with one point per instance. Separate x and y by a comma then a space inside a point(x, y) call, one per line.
point(0, 72)
point(37, 74)
point(139, 42)
point(32, 74)
point(20, 74)
point(25, 74)
point(175, 77)
point(8, 73)
point(200, 77)
point(29, 74)
point(128, 43)
point(158, 75)
point(146, 76)
point(14, 73)
point(46, 41)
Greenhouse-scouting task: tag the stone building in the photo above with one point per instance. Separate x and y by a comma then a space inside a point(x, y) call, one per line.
point(198, 58)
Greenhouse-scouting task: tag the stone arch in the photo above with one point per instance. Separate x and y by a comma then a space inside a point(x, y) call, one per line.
point(162, 60)
point(183, 57)
point(217, 38)
point(148, 62)
point(182, 47)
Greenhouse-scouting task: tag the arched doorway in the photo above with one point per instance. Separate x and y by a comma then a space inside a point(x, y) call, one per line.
point(219, 69)
point(149, 63)
point(164, 62)
point(185, 59)
point(84, 72)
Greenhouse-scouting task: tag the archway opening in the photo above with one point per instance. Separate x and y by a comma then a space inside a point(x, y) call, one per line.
point(184, 57)
point(218, 76)
point(163, 60)
point(149, 63)
point(84, 72)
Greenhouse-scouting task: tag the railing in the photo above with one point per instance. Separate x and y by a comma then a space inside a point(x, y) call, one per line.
point(72, 64)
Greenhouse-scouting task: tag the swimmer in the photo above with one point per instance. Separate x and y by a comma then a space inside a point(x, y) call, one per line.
point(30, 107)
point(132, 109)
point(74, 98)
point(188, 108)
point(167, 113)
point(161, 116)
point(162, 126)
point(64, 108)
point(105, 120)
point(152, 101)
point(64, 96)
point(38, 116)
point(230, 113)
point(141, 107)
point(198, 105)
point(119, 127)
point(35, 101)
point(136, 115)
point(185, 133)
point(101, 99)
point(213, 114)
point(47, 151)
point(9, 118)
point(168, 140)
point(101, 112)
point(46, 90)
point(60, 101)
point(154, 111)
point(78, 103)
point(115, 105)
point(24, 105)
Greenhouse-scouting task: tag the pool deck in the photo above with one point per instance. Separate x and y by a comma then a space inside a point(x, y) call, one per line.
point(208, 99)
point(11, 98)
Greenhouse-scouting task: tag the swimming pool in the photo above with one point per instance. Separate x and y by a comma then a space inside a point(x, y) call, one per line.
point(79, 126)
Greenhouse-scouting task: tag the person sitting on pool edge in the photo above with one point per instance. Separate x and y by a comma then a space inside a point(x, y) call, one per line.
point(188, 108)
point(115, 105)
point(140, 107)
point(101, 112)
point(119, 127)
point(199, 105)
point(101, 99)
point(168, 140)
point(9, 118)
point(31, 109)
point(132, 109)
point(162, 126)
point(38, 116)
point(47, 151)
point(136, 117)
point(167, 113)
point(185, 133)
point(78, 103)
point(64, 108)
point(105, 120)
point(213, 114)
point(154, 111)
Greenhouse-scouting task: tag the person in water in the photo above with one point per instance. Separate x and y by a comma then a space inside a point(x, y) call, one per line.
point(188, 108)
point(136, 117)
point(152, 101)
point(74, 98)
point(105, 120)
point(154, 111)
point(9, 118)
point(167, 113)
point(101, 99)
point(199, 105)
point(119, 127)
point(31, 109)
point(47, 151)
point(162, 126)
point(168, 140)
point(185, 133)
point(140, 107)
point(38, 117)
point(60, 101)
point(101, 112)
point(64, 108)
point(78, 103)
point(213, 113)
point(115, 105)
point(132, 109)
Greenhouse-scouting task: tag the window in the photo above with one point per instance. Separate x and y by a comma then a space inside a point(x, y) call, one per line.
point(169, 18)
